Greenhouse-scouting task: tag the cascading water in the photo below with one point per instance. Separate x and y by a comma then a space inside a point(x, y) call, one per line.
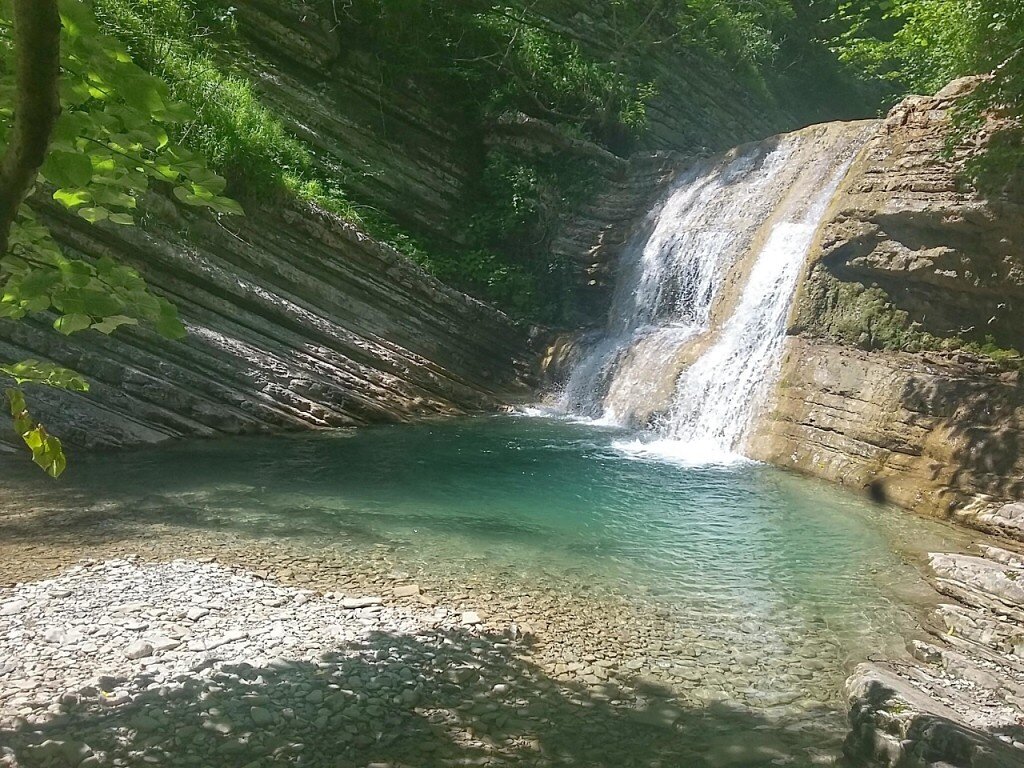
point(698, 319)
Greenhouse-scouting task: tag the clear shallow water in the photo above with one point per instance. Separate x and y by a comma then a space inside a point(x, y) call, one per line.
point(750, 559)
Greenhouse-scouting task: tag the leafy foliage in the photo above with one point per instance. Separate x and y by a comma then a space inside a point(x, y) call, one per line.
point(920, 45)
point(483, 59)
point(111, 142)
point(46, 449)
point(36, 372)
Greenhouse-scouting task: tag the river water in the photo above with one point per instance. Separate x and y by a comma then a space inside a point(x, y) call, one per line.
point(784, 582)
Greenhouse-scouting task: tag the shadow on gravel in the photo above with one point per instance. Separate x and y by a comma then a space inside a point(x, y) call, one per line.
point(440, 699)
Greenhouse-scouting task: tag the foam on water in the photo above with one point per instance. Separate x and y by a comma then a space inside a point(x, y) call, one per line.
point(694, 453)
point(698, 322)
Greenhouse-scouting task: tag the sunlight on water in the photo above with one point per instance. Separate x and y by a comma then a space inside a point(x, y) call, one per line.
point(690, 453)
point(557, 503)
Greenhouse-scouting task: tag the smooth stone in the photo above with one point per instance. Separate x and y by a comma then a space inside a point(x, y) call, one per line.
point(140, 649)
point(261, 716)
point(12, 607)
point(351, 603)
point(162, 643)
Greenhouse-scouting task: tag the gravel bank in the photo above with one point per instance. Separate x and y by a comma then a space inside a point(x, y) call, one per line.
point(128, 662)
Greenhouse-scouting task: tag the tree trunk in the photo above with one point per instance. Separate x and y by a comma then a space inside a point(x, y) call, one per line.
point(36, 104)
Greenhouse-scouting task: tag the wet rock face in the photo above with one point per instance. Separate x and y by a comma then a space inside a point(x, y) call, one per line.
point(296, 321)
point(922, 431)
point(911, 248)
point(909, 256)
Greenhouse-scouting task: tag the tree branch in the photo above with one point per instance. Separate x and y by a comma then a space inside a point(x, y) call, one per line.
point(36, 104)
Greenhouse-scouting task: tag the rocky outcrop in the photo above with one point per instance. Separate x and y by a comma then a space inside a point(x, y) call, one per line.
point(912, 254)
point(296, 320)
point(402, 147)
point(911, 264)
point(958, 701)
point(925, 432)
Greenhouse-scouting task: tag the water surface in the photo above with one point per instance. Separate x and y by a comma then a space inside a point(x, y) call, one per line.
point(762, 570)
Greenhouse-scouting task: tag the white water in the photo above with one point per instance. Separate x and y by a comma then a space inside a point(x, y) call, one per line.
point(683, 355)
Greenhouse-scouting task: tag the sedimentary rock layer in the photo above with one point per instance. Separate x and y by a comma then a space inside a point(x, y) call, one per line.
point(910, 257)
point(921, 431)
point(296, 320)
point(958, 701)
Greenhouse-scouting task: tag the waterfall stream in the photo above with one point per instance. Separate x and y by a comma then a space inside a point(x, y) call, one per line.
point(698, 319)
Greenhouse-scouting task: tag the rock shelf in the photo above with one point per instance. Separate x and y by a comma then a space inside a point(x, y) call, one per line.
point(961, 702)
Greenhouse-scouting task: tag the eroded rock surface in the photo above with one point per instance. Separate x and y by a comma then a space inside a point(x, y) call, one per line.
point(296, 320)
point(961, 701)
point(910, 257)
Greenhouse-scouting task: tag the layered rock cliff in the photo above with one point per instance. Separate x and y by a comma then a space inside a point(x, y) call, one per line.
point(900, 375)
point(403, 146)
point(295, 320)
point(298, 320)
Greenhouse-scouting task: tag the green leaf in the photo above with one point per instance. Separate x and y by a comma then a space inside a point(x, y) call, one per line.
point(142, 92)
point(38, 304)
point(36, 372)
point(110, 324)
point(76, 273)
point(99, 303)
point(69, 198)
point(75, 18)
point(46, 449)
point(92, 215)
point(68, 324)
point(38, 282)
point(67, 169)
point(121, 218)
point(114, 199)
point(226, 205)
point(167, 323)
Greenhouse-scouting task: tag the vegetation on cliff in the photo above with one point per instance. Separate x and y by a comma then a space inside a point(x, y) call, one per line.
point(590, 75)
point(484, 61)
point(918, 46)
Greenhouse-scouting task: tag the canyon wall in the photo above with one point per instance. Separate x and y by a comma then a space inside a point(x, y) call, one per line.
point(299, 320)
point(900, 376)
point(295, 320)
point(404, 147)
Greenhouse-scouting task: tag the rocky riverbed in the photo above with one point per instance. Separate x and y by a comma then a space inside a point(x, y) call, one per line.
point(179, 644)
point(129, 662)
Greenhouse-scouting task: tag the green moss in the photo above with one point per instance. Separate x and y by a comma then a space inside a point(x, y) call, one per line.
point(862, 316)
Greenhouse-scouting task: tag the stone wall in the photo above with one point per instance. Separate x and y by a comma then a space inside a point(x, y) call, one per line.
point(910, 257)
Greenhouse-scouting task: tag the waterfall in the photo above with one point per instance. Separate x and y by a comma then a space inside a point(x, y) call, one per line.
point(698, 318)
